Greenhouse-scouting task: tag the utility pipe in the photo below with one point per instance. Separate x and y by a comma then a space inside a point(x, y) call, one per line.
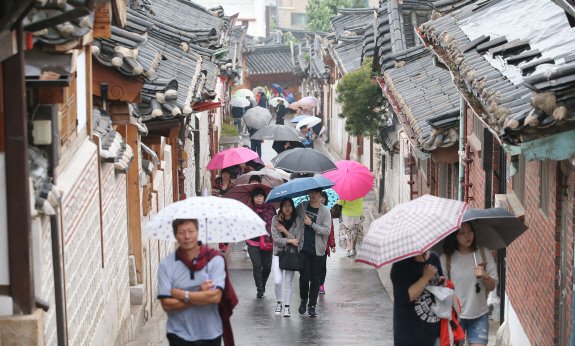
point(461, 142)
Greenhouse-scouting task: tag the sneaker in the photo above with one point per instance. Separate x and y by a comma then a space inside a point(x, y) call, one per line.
point(302, 307)
point(246, 248)
point(354, 252)
point(321, 290)
point(247, 254)
point(349, 253)
point(279, 308)
point(311, 311)
point(286, 311)
point(260, 293)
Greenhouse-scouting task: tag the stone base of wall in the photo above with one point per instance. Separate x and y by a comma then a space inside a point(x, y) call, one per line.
point(27, 330)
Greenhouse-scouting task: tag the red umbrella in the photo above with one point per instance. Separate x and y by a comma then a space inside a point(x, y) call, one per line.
point(230, 157)
point(242, 193)
point(352, 180)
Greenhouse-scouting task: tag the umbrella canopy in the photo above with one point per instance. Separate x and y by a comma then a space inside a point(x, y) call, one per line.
point(278, 88)
point(352, 180)
point(297, 104)
point(242, 192)
point(332, 198)
point(297, 188)
point(310, 100)
point(278, 133)
point(309, 122)
point(258, 89)
point(275, 101)
point(279, 146)
point(221, 220)
point(267, 176)
point(244, 93)
point(240, 102)
point(300, 118)
point(303, 160)
point(257, 117)
point(494, 228)
point(230, 157)
point(410, 229)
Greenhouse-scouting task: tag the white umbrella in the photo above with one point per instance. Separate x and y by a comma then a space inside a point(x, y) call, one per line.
point(257, 117)
point(244, 93)
point(221, 220)
point(240, 102)
point(274, 102)
point(309, 122)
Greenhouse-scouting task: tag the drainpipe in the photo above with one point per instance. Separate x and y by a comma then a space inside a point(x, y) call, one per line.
point(461, 143)
point(411, 182)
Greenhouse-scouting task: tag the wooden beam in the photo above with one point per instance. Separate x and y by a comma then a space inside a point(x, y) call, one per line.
point(163, 124)
point(120, 13)
point(175, 165)
point(103, 20)
point(120, 113)
point(17, 184)
point(120, 87)
point(151, 140)
point(134, 203)
point(8, 44)
point(51, 95)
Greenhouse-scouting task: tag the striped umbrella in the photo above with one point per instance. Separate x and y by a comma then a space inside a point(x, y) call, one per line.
point(410, 229)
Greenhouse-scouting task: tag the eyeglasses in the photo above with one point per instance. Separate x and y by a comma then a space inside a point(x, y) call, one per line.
point(477, 288)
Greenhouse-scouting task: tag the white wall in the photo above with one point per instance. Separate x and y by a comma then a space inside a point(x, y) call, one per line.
point(517, 335)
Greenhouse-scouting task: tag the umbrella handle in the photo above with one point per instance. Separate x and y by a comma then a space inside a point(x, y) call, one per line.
point(207, 274)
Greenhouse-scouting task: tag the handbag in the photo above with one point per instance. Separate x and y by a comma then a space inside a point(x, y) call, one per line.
point(336, 211)
point(289, 260)
point(266, 243)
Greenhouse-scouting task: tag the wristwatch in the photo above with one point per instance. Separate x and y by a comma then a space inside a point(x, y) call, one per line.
point(187, 297)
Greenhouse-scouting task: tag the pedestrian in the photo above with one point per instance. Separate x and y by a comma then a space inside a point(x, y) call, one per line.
point(258, 248)
point(287, 235)
point(351, 225)
point(281, 112)
point(245, 168)
point(316, 218)
point(414, 322)
point(263, 100)
point(324, 199)
point(299, 111)
point(256, 144)
point(201, 315)
point(222, 185)
point(308, 135)
point(255, 179)
point(472, 280)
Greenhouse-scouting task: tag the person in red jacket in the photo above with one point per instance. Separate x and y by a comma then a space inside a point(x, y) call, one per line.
point(330, 244)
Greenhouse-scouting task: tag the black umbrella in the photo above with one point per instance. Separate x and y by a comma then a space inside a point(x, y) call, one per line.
point(495, 228)
point(278, 133)
point(279, 146)
point(303, 160)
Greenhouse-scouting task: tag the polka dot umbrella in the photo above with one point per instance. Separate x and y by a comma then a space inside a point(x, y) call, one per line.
point(221, 220)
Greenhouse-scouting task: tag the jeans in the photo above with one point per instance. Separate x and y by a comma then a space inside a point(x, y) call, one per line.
point(175, 340)
point(256, 146)
point(285, 277)
point(477, 329)
point(310, 276)
point(239, 124)
point(262, 263)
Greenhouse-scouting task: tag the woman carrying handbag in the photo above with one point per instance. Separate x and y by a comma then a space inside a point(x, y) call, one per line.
point(287, 235)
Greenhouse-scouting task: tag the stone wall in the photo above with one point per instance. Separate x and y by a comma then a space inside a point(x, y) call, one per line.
point(205, 176)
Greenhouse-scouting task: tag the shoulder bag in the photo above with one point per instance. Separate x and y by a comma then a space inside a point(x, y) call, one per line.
point(336, 211)
point(289, 260)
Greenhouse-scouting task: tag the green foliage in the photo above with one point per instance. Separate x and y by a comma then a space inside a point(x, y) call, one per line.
point(228, 128)
point(362, 100)
point(273, 25)
point(319, 12)
point(289, 37)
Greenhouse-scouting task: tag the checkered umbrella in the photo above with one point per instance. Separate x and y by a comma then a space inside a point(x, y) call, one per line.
point(410, 229)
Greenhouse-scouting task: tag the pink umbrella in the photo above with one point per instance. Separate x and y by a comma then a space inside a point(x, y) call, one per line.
point(230, 157)
point(352, 180)
point(310, 100)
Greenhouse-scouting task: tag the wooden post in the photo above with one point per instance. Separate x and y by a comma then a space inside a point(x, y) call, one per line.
point(175, 165)
point(17, 185)
point(133, 199)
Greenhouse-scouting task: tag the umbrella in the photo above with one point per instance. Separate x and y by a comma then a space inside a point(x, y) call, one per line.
point(275, 101)
point(495, 228)
point(310, 100)
point(308, 121)
point(242, 192)
point(410, 229)
point(230, 157)
point(258, 89)
point(221, 220)
point(257, 117)
point(267, 176)
point(279, 146)
point(332, 198)
point(300, 118)
point(278, 133)
point(352, 180)
point(240, 102)
point(297, 188)
point(244, 93)
point(278, 88)
point(303, 160)
point(297, 104)
point(256, 164)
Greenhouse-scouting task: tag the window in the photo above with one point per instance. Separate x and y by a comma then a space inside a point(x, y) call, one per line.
point(544, 186)
point(299, 19)
point(518, 182)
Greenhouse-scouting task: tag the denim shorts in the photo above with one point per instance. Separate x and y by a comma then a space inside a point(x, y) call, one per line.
point(477, 329)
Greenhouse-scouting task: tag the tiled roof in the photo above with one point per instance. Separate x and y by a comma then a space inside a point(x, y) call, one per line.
point(533, 96)
point(348, 53)
point(351, 20)
point(388, 134)
point(272, 59)
point(426, 96)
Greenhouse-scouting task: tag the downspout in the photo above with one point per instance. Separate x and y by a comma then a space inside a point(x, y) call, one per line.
point(461, 143)
point(212, 152)
point(411, 182)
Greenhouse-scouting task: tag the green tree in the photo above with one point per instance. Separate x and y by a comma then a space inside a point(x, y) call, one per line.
point(289, 37)
point(319, 12)
point(362, 101)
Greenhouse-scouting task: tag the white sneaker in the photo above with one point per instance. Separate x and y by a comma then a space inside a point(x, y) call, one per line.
point(286, 312)
point(349, 253)
point(247, 254)
point(279, 308)
point(353, 252)
point(246, 248)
